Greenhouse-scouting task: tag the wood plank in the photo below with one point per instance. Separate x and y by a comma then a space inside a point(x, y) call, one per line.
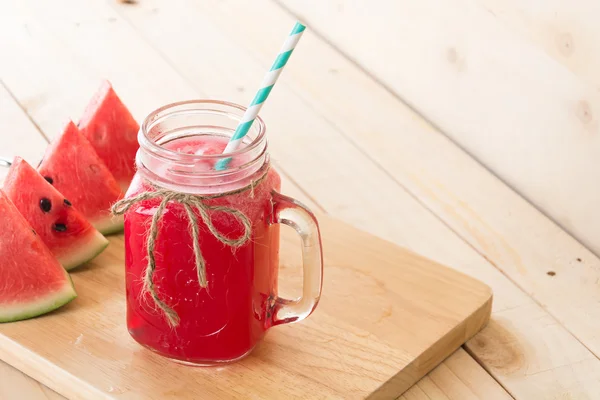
point(387, 316)
point(496, 221)
point(16, 385)
point(414, 226)
point(444, 381)
point(459, 377)
point(522, 114)
point(426, 389)
point(22, 139)
point(43, 94)
point(567, 31)
point(493, 222)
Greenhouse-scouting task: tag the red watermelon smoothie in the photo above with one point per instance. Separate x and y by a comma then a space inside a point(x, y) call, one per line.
point(222, 319)
point(227, 319)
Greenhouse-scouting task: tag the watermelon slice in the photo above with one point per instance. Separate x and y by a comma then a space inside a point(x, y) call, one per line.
point(32, 282)
point(112, 130)
point(72, 166)
point(66, 232)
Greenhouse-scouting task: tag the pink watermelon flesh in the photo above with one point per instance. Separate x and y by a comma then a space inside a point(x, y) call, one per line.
point(112, 130)
point(66, 232)
point(32, 282)
point(72, 166)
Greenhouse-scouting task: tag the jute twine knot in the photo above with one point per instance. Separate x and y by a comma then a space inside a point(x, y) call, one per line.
point(190, 202)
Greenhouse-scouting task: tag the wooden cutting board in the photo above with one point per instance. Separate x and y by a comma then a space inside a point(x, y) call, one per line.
point(386, 318)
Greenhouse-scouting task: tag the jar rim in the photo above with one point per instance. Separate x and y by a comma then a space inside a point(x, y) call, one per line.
point(185, 171)
point(152, 119)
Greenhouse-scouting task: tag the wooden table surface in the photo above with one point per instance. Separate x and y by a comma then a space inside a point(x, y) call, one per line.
point(344, 133)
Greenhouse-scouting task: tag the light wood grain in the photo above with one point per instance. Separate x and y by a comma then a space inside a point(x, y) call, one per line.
point(502, 98)
point(15, 385)
point(441, 383)
point(22, 138)
point(387, 317)
point(567, 31)
point(359, 194)
point(373, 119)
point(459, 377)
point(79, 62)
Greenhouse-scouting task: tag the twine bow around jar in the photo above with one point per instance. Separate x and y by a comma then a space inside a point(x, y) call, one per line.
point(190, 202)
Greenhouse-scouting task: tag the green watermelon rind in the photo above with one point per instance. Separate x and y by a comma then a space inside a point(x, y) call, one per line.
point(41, 306)
point(109, 225)
point(84, 252)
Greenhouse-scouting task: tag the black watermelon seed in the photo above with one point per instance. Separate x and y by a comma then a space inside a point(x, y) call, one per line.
point(49, 180)
point(45, 205)
point(59, 227)
point(67, 203)
point(34, 232)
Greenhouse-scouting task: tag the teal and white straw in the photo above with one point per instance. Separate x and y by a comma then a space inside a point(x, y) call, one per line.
point(263, 93)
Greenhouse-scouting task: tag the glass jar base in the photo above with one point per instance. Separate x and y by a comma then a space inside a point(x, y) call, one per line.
point(210, 363)
point(196, 362)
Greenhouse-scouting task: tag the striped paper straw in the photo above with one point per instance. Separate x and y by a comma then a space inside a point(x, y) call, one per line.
point(262, 94)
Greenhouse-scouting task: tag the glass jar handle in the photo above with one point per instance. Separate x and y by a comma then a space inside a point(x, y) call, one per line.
point(290, 212)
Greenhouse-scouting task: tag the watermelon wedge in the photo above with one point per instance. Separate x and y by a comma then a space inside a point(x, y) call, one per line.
point(63, 229)
point(32, 282)
point(112, 130)
point(72, 166)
